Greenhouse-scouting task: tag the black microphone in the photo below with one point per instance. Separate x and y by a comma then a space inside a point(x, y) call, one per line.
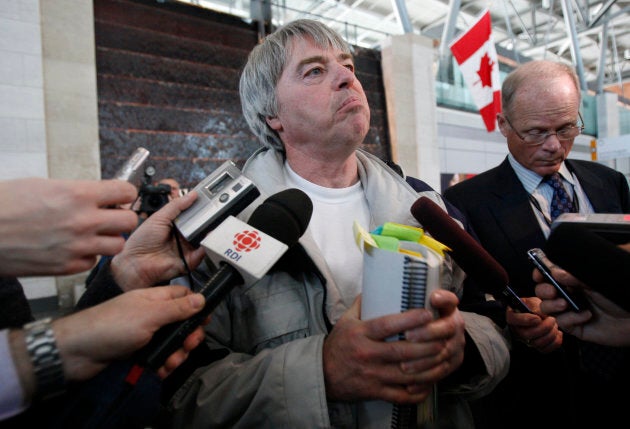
point(467, 252)
point(244, 252)
point(592, 259)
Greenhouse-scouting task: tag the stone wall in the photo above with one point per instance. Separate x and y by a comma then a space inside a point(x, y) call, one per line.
point(167, 77)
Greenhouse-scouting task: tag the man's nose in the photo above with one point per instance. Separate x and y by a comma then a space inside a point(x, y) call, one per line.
point(345, 77)
point(552, 141)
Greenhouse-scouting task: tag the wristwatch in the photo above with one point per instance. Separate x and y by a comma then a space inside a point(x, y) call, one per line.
point(47, 365)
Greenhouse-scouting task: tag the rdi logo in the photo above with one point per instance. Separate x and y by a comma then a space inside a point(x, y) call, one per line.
point(246, 241)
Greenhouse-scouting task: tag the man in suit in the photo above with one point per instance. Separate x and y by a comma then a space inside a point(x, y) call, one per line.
point(509, 208)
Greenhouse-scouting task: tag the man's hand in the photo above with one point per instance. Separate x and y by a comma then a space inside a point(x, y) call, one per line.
point(150, 255)
point(55, 227)
point(360, 365)
point(90, 339)
point(537, 330)
point(604, 322)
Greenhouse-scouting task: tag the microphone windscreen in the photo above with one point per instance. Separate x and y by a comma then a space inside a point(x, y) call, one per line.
point(467, 252)
point(594, 260)
point(284, 215)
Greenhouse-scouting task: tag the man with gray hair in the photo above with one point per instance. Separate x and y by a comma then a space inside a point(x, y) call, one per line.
point(297, 354)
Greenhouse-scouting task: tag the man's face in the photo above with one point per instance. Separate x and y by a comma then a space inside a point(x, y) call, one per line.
point(322, 108)
point(174, 187)
point(541, 106)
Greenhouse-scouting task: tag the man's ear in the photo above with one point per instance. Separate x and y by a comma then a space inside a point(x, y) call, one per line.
point(503, 125)
point(274, 123)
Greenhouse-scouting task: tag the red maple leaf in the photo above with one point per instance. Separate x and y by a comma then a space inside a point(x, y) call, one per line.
point(485, 70)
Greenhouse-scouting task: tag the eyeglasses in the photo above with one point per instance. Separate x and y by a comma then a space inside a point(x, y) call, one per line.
point(538, 137)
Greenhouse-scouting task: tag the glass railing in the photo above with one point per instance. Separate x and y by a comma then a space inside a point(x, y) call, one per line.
point(455, 95)
point(589, 114)
point(624, 120)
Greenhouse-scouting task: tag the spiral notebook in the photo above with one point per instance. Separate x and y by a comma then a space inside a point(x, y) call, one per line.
point(395, 281)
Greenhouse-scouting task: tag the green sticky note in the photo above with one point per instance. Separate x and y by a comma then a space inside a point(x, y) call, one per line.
point(401, 232)
point(386, 243)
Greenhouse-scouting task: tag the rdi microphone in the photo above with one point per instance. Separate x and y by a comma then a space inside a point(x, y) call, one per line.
point(467, 252)
point(243, 252)
point(593, 259)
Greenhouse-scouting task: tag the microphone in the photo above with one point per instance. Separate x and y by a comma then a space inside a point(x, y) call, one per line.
point(467, 252)
point(130, 170)
point(593, 259)
point(243, 252)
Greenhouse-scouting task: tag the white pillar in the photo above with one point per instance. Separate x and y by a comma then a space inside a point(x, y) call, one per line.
point(409, 79)
point(608, 129)
point(48, 101)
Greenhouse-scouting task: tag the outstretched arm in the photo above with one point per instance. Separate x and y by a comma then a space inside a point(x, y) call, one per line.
point(55, 227)
point(91, 339)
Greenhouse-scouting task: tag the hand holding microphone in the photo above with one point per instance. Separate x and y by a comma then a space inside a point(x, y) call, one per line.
point(151, 255)
point(155, 252)
point(535, 329)
point(60, 227)
point(244, 253)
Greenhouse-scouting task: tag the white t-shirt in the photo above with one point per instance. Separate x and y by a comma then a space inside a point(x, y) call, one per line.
point(334, 212)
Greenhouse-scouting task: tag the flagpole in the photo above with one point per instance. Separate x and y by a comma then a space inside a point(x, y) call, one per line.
point(508, 27)
point(447, 35)
point(575, 46)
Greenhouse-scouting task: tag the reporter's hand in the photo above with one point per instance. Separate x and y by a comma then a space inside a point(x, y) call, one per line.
point(537, 330)
point(360, 365)
point(55, 227)
point(551, 302)
point(150, 255)
point(91, 339)
point(603, 323)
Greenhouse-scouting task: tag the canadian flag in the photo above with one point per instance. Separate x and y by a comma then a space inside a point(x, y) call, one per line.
point(477, 58)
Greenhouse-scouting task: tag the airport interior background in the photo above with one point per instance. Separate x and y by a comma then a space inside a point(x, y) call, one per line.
point(83, 84)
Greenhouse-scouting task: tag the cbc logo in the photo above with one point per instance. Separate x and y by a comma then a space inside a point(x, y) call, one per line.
point(246, 241)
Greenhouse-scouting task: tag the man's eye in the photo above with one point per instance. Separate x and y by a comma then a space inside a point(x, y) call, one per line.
point(315, 71)
point(536, 133)
point(350, 67)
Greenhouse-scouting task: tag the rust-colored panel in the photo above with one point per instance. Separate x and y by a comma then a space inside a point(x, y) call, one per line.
point(168, 81)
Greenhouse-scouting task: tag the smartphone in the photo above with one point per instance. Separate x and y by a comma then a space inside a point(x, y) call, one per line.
point(537, 256)
point(513, 300)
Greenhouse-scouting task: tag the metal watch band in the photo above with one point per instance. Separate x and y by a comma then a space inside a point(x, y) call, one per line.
point(42, 348)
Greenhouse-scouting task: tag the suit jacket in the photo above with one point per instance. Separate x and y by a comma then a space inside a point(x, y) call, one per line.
point(497, 206)
point(547, 390)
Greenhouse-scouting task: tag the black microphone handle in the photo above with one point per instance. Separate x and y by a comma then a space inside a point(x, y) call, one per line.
point(169, 338)
point(284, 216)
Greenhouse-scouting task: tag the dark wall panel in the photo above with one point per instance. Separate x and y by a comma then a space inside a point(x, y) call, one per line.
point(167, 76)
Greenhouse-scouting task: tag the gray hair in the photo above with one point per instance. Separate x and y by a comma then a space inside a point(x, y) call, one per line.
point(265, 65)
point(534, 70)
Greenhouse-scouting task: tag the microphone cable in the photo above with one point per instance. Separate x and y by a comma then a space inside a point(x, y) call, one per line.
point(135, 372)
point(180, 250)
